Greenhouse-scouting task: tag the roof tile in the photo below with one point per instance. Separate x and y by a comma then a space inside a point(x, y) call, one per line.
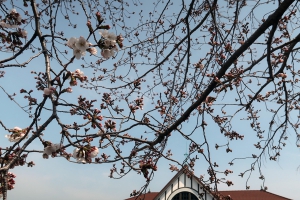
point(146, 196)
point(252, 195)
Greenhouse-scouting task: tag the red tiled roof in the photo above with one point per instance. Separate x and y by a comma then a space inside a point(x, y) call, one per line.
point(252, 195)
point(146, 196)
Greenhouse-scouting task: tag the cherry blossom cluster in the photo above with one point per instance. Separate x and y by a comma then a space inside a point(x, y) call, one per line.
point(17, 134)
point(137, 83)
point(76, 75)
point(162, 108)
point(145, 165)
point(228, 171)
point(106, 98)
point(138, 104)
point(282, 75)
point(12, 20)
point(50, 149)
point(85, 154)
point(10, 182)
point(173, 168)
point(108, 43)
point(110, 125)
point(80, 46)
point(209, 100)
point(103, 158)
point(96, 116)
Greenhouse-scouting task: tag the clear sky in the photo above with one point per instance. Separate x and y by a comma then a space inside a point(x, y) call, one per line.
point(58, 179)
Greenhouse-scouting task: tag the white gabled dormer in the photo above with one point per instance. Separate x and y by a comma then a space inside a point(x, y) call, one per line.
point(184, 186)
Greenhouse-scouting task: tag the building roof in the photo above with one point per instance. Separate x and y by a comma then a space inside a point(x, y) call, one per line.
point(184, 169)
point(146, 196)
point(234, 195)
point(252, 195)
point(228, 195)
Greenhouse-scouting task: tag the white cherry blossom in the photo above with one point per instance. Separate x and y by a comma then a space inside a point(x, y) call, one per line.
point(71, 42)
point(109, 43)
point(82, 44)
point(51, 149)
point(78, 53)
point(13, 11)
point(94, 153)
point(79, 155)
point(115, 49)
point(5, 25)
point(104, 33)
point(93, 51)
point(16, 136)
point(106, 53)
point(17, 129)
point(109, 36)
point(78, 73)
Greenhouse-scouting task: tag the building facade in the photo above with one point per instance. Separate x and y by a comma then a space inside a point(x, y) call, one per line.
point(185, 186)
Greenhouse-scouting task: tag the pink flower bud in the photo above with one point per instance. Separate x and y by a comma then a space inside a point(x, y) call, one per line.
point(69, 90)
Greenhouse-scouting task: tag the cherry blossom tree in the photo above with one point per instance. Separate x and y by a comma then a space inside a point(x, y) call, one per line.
point(119, 79)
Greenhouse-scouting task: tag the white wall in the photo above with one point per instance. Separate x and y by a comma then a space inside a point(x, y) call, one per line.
point(184, 186)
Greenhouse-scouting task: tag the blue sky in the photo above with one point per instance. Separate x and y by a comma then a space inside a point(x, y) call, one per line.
point(59, 179)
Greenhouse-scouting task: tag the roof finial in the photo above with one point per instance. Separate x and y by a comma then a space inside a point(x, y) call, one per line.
point(185, 162)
